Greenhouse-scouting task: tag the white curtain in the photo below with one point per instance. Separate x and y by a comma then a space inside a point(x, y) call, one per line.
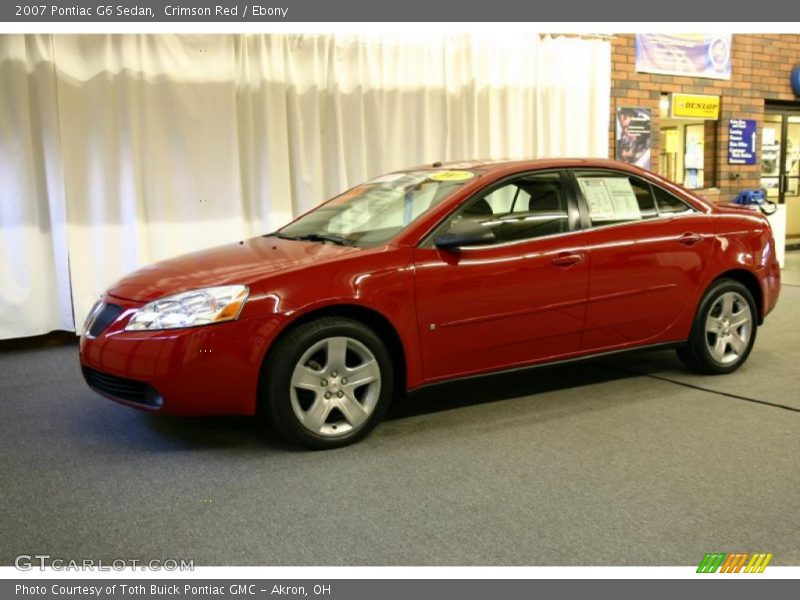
point(34, 270)
point(122, 150)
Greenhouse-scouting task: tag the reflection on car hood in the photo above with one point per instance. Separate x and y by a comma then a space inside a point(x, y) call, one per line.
point(731, 207)
point(242, 263)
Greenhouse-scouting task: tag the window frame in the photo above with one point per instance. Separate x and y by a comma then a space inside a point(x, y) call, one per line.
point(574, 217)
point(583, 207)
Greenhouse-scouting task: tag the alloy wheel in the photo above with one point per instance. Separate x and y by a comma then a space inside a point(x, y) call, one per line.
point(729, 326)
point(335, 386)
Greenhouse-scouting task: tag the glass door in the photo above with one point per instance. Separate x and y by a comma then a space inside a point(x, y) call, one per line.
point(682, 152)
point(780, 164)
point(771, 147)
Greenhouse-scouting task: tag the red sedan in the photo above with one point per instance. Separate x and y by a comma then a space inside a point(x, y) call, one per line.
point(431, 274)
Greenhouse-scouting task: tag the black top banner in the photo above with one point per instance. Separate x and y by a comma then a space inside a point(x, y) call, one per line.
point(627, 11)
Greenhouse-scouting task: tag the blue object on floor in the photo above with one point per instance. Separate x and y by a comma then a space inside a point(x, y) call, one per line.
point(751, 197)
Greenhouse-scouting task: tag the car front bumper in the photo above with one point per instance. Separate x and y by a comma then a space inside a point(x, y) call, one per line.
point(206, 370)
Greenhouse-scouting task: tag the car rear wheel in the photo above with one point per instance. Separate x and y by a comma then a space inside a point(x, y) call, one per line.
point(724, 329)
point(328, 383)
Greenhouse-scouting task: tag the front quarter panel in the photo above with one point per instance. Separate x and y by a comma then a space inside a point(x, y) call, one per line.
point(215, 369)
point(380, 280)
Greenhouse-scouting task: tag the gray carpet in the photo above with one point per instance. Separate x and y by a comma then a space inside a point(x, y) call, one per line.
point(771, 373)
point(584, 464)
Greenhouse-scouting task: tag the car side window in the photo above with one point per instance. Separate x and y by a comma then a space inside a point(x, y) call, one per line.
point(616, 197)
point(507, 199)
point(669, 205)
point(528, 207)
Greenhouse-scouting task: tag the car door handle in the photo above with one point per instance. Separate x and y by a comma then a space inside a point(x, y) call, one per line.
point(689, 239)
point(567, 260)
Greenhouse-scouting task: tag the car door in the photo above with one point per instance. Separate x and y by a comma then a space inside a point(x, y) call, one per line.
point(512, 302)
point(647, 249)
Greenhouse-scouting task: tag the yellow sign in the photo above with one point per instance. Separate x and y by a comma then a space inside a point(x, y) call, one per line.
point(672, 141)
point(694, 106)
point(452, 176)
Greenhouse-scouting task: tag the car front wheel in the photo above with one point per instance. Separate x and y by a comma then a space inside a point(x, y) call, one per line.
point(328, 383)
point(724, 329)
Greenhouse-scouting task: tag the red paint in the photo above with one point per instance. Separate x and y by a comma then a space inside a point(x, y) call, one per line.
point(492, 308)
point(500, 307)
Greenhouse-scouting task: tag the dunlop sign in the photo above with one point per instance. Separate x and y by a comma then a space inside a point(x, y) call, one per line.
point(694, 106)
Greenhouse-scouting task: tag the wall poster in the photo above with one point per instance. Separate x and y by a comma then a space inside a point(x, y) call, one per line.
point(633, 135)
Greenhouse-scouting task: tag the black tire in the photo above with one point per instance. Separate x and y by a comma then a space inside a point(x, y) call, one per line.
point(284, 403)
point(696, 354)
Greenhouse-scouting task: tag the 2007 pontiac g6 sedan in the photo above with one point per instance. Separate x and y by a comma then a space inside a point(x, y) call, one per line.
point(431, 274)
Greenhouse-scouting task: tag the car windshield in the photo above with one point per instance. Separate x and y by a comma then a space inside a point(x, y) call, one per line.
point(374, 212)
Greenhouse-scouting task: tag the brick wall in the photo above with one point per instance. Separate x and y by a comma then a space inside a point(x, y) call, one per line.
point(761, 65)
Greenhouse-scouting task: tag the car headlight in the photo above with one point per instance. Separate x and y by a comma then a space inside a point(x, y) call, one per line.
point(190, 309)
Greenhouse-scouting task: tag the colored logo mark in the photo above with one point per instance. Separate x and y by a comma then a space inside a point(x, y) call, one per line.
point(734, 562)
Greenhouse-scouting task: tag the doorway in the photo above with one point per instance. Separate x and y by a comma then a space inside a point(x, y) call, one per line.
point(780, 163)
point(682, 143)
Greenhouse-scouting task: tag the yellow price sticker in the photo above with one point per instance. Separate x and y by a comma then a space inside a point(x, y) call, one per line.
point(451, 176)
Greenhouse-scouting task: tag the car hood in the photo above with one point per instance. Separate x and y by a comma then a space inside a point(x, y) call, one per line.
point(243, 263)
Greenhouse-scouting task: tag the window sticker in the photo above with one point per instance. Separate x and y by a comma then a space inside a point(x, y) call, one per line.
point(347, 196)
point(389, 178)
point(451, 176)
point(403, 179)
point(610, 199)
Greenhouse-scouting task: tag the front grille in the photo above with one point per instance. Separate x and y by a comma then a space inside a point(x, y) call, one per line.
point(123, 389)
point(107, 315)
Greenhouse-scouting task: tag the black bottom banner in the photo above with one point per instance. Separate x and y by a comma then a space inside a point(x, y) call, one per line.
point(405, 589)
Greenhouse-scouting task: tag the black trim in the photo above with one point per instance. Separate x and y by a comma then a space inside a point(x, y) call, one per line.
point(107, 315)
point(781, 106)
point(580, 201)
point(584, 357)
point(124, 390)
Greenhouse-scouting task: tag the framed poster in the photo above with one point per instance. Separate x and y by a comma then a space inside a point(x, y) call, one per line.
point(633, 139)
point(692, 55)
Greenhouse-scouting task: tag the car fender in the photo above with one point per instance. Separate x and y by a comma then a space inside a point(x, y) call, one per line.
point(377, 286)
point(744, 242)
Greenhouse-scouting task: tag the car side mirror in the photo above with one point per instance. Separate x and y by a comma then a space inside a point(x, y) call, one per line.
point(464, 233)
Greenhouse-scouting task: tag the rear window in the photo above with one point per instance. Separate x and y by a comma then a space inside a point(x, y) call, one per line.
point(621, 198)
point(616, 198)
point(669, 204)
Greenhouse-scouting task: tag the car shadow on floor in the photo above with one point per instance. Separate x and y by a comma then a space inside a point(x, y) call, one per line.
point(248, 432)
point(486, 389)
point(214, 432)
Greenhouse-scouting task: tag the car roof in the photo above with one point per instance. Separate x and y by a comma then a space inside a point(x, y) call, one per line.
point(491, 165)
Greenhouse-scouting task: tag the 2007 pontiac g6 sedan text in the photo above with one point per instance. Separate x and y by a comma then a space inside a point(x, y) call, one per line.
point(430, 274)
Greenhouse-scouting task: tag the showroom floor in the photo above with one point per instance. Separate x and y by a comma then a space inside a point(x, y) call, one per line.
point(630, 461)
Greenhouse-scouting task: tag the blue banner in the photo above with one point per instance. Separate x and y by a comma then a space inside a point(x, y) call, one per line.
point(742, 142)
point(692, 55)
